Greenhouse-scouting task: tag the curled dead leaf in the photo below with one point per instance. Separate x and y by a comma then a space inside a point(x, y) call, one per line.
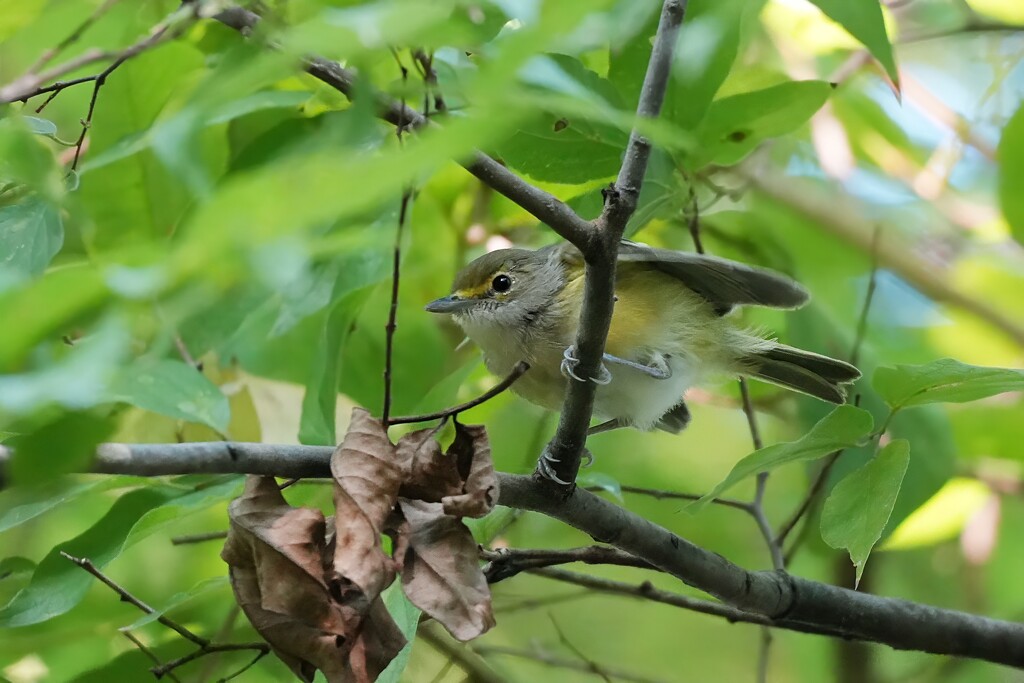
point(367, 474)
point(440, 571)
point(471, 451)
point(280, 574)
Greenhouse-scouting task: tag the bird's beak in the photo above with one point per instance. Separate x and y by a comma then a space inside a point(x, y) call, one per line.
point(450, 304)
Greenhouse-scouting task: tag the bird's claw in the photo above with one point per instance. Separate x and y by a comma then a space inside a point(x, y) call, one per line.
point(546, 468)
point(570, 361)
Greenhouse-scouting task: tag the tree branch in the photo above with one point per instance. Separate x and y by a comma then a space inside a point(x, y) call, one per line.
point(565, 449)
point(544, 206)
point(507, 562)
point(783, 600)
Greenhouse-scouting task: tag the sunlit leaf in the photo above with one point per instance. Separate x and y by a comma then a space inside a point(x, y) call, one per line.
point(857, 510)
point(845, 426)
point(943, 381)
point(864, 20)
point(1011, 173)
point(942, 517)
point(735, 125)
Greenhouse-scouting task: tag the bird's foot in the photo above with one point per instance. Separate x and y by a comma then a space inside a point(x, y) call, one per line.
point(547, 463)
point(570, 361)
point(546, 468)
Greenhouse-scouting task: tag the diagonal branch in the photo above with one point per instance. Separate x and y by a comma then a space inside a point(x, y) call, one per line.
point(566, 448)
point(784, 600)
point(542, 205)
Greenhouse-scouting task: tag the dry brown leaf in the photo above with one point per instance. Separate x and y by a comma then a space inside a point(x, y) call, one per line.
point(277, 556)
point(440, 571)
point(367, 474)
point(432, 474)
point(471, 452)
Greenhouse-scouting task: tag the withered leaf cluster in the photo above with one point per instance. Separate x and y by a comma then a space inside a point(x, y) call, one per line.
point(311, 586)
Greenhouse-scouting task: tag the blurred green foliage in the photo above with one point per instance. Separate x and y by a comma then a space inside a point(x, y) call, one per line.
point(218, 266)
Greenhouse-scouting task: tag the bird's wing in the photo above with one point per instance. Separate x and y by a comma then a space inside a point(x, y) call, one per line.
point(722, 282)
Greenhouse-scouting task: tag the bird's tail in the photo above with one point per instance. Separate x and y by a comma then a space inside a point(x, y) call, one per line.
point(803, 371)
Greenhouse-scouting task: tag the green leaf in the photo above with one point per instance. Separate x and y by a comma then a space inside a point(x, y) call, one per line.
point(11, 567)
point(856, 512)
point(708, 44)
point(40, 126)
point(735, 125)
point(75, 380)
point(943, 381)
point(1011, 174)
point(64, 445)
point(316, 426)
point(14, 513)
point(843, 427)
point(57, 585)
point(407, 616)
point(172, 388)
point(566, 148)
point(31, 234)
point(200, 589)
point(864, 21)
point(602, 481)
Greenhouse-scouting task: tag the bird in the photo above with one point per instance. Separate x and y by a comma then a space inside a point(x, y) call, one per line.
point(670, 330)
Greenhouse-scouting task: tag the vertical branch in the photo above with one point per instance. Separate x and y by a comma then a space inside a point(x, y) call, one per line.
point(389, 328)
point(600, 250)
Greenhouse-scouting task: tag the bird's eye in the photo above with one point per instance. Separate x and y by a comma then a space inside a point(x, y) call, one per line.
point(501, 283)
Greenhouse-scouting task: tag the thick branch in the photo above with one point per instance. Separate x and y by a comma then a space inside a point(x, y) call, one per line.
point(566, 448)
point(786, 601)
point(544, 206)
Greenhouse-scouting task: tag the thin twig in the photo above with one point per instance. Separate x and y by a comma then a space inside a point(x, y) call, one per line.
point(205, 646)
point(147, 652)
point(86, 564)
point(475, 667)
point(426, 65)
point(262, 650)
point(660, 494)
point(389, 329)
point(71, 37)
point(547, 659)
point(30, 84)
point(507, 562)
point(199, 538)
point(518, 371)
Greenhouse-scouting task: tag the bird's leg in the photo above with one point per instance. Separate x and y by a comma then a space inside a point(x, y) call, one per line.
point(606, 426)
point(570, 361)
point(658, 368)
